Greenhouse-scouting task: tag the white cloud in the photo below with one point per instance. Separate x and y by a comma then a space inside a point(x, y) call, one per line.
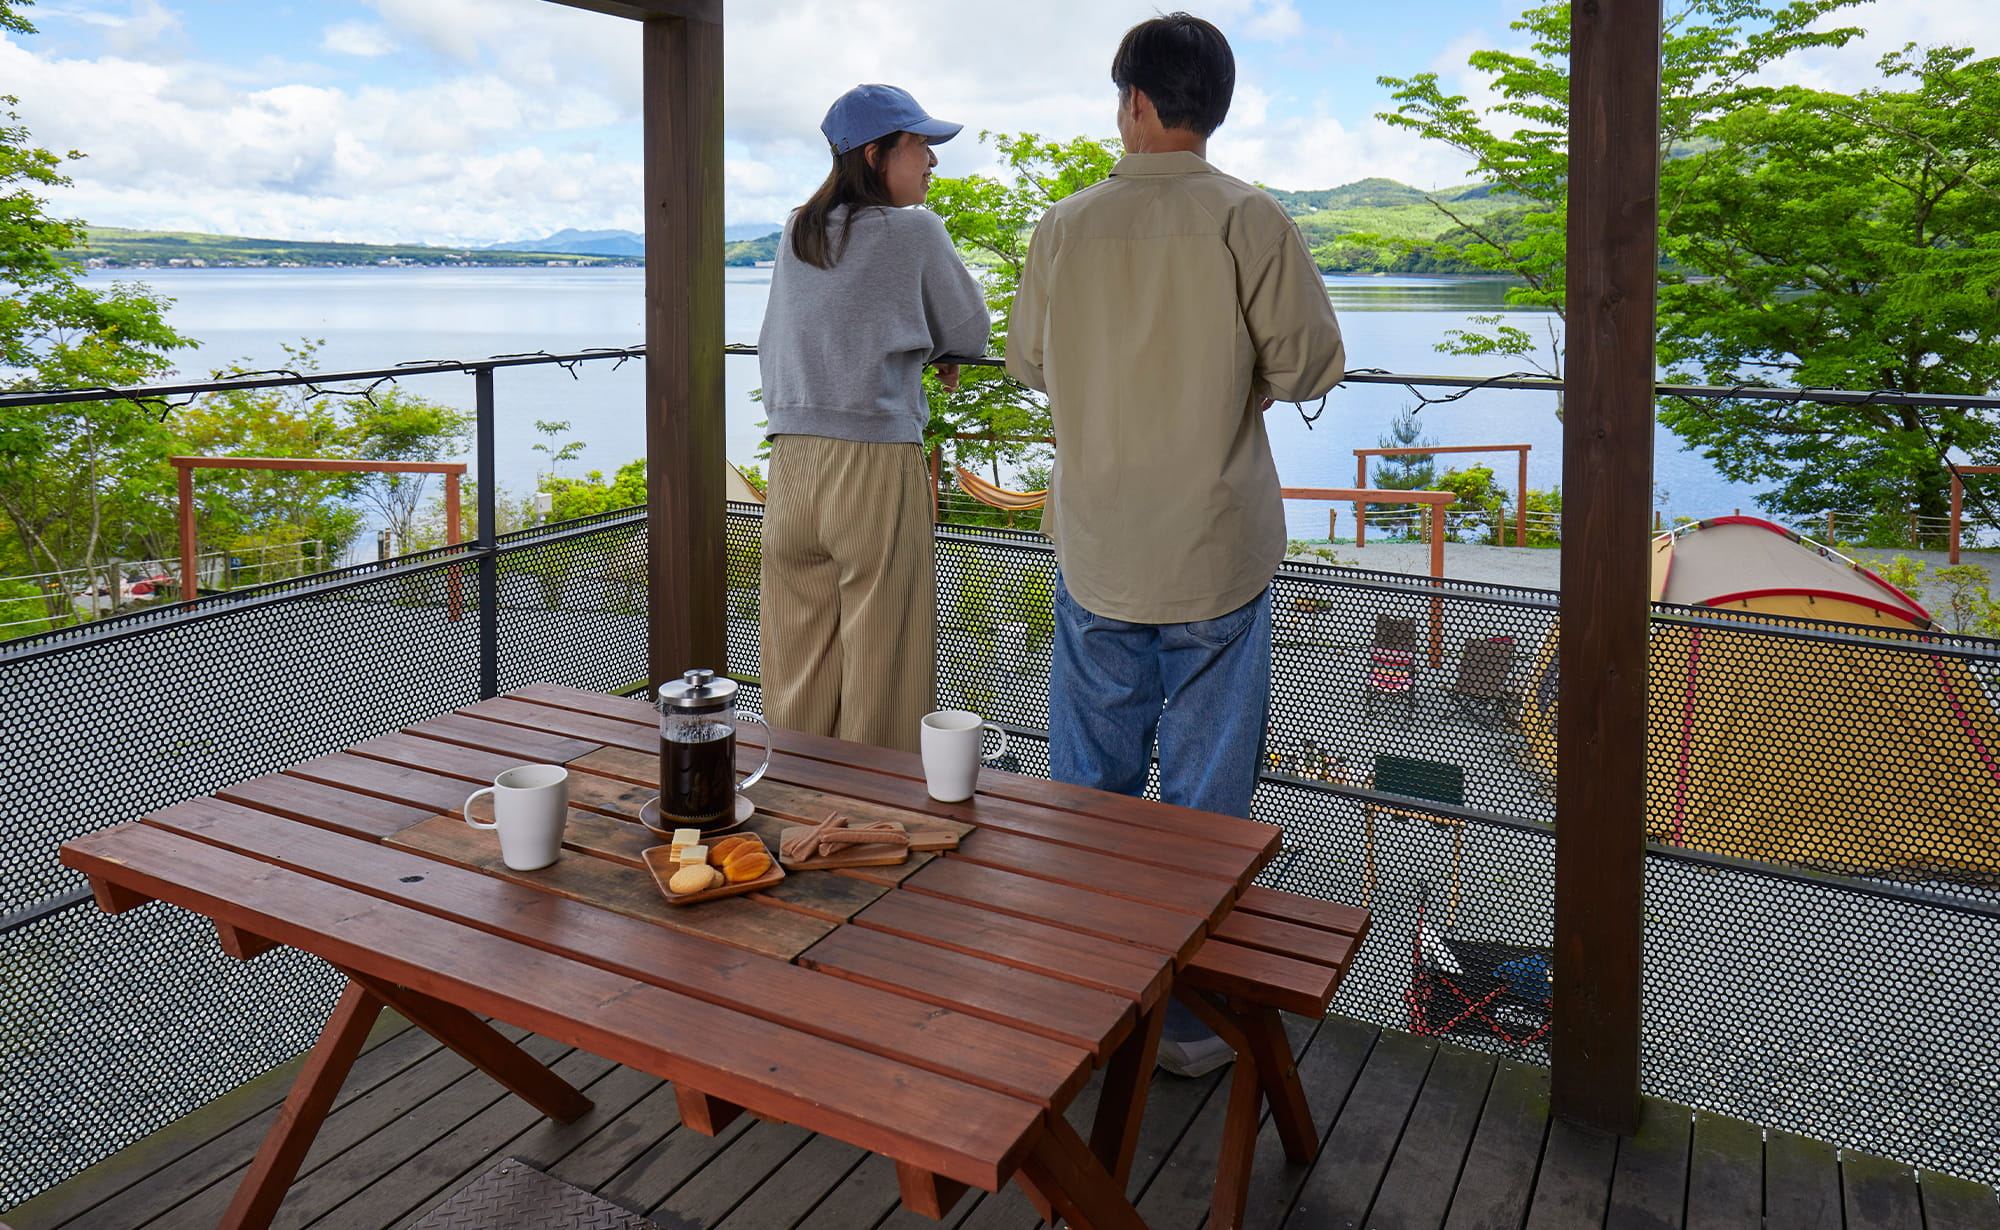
point(358, 38)
point(144, 29)
point(1317, 151)
point(526, 118)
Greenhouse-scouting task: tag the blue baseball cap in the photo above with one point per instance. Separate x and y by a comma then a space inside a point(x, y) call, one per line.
point(868, 112)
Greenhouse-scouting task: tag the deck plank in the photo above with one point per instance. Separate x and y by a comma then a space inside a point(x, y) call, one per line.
point(863, 1198)
point(622, 1141)
point(1331, 1065)
point(416, 1123)
point(1498, 1180)
point(455, 1158)
point(1178, 1196)
point(1801, 1183)
point(1573, 1189)
point(1357, 1153)
point(1649, 1179)
point(1878, 1194)
point(1416, 1192)
point(755, 1156)
point(795, 1188)
point(1725, 1174)
point(179, 1160)
point(1952, 1203)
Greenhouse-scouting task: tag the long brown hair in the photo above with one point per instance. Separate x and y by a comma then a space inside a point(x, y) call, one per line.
point(853, 182)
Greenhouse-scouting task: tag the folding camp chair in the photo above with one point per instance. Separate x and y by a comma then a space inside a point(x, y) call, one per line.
point(1392, 664)
point(1431, 780)
point(1484, 987)
point(1480, 691)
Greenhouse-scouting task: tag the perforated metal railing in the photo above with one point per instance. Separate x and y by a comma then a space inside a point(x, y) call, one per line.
point(1822, 914)
point(1823, 867)
point(111, 1026)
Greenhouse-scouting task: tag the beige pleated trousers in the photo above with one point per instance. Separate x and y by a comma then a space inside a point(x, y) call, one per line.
point(848, 623)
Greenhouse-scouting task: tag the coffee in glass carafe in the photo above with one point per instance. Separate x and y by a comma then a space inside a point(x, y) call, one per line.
point(698, 718)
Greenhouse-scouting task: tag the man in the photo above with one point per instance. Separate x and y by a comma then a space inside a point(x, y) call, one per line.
point(1162, 311)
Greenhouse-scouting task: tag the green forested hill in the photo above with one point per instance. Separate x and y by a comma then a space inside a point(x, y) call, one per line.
point(1384, 210)
point(1351, 229)
point(116, 247)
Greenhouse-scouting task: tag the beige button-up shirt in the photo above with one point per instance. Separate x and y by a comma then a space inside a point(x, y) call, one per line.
point(1157, 310)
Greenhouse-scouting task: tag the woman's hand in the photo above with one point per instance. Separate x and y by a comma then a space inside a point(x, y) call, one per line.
point(947, 376)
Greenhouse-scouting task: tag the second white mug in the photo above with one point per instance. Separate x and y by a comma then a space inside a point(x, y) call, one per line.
point(530, 808)
point(951, 740)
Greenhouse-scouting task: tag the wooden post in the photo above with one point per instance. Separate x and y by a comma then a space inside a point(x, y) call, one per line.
point(454, 602)
point(685, 557)
point(190, 577)
point(1611, 265)
point(1832, 535)
point(1360, 509)
point(1957, 501)
point(1521, 508)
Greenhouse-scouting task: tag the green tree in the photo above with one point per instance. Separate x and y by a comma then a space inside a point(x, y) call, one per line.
point(1845, 242)
point(396, 426)
point(67, 469)
point(1711, 50)
point(993, 219)
point(1404, 471)
point(1481, 506)
point(269, 507)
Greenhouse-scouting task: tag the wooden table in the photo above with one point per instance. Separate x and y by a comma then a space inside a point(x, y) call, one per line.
point(943, 1012)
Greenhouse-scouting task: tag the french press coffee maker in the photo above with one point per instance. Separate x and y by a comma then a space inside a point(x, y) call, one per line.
point(698, 784)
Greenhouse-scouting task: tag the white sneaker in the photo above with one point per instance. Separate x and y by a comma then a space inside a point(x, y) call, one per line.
point(1197, 1058)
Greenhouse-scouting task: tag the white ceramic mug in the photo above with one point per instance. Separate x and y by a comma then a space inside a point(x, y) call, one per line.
point(951, 740)
point(530, 808)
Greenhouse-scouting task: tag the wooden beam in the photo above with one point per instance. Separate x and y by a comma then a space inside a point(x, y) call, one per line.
point(684, 394)
point(645, 10)
point(1611, 267)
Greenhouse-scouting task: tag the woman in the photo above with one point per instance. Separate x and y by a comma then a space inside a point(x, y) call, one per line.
point(864, 293)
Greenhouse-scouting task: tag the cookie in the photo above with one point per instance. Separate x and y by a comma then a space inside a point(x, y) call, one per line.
point(691, 879)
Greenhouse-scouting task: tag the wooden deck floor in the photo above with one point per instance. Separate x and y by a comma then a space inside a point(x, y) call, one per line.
point(1417, 1134)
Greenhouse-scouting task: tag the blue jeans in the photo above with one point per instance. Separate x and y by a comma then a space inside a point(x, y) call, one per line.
point(1202, 689)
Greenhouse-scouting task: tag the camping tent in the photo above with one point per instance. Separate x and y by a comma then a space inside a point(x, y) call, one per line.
point(1872, 748)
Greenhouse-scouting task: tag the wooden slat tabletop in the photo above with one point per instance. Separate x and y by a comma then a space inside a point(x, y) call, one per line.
point(1006, 969)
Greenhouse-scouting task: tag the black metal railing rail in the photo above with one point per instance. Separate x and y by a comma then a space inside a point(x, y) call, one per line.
point(1775, 971)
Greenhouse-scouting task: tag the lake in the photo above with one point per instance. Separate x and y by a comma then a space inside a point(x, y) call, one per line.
point(378, 317)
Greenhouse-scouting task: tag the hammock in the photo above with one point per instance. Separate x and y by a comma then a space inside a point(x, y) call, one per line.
point(998, 497)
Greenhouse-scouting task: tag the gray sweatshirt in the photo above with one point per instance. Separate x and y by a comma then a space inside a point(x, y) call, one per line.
point(842, 350)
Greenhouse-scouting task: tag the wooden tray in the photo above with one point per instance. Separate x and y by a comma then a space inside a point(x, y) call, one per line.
point(663, 868)
point(872, 854)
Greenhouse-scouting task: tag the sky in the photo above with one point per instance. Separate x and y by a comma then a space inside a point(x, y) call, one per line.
point(466, 122)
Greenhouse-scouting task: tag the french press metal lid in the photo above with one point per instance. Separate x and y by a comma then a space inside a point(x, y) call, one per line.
point(698, 691)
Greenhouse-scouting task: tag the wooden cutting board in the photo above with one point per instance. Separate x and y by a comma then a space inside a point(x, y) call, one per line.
point(872, 854)
point(800, 805)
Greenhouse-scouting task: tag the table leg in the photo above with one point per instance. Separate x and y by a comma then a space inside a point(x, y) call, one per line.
point(1239, 1122)
point(1121, 1104)
point(1067, 1175)
point(291, 1135)
point(1278, 1074)
point(483, 1047)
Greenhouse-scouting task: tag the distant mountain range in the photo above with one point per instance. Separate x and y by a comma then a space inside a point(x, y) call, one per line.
point(1380, 214)
point(619, 243)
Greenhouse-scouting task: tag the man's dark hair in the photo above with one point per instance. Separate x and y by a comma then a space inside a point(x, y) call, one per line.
point(1184, 65)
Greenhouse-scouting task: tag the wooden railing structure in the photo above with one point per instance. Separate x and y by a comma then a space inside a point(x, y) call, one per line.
point(1958, 500)
point(453, 471)
point(1361, 456)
